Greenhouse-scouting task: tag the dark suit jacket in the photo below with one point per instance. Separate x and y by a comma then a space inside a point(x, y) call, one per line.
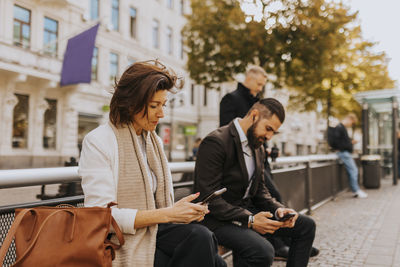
point(235, 104)
point(220, 163)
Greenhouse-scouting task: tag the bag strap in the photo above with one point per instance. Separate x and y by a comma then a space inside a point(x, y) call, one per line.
point(42, 227)
point(118, 233)
point(11, 233)
point(117, 230)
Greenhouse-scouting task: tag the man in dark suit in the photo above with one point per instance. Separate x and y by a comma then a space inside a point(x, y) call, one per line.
point(232, 156)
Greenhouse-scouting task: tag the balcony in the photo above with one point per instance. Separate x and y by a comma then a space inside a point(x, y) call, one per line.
point(24, 61)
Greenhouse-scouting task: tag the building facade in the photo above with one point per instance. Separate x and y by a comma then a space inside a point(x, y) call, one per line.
point(42, 124)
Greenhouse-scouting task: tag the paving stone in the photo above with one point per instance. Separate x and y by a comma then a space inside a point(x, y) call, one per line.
point(379, 259)
point(379, 250)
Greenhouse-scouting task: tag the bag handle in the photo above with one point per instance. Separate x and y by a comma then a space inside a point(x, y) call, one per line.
point(118, 233)
point(41, 228)
point(11, 233)
point(117, 230)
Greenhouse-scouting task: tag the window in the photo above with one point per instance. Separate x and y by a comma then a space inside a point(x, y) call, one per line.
point(86, 123)
point(50, 125)
point(299, 149)
point(169, 41)
point(113, 67)
point(131, 61)
point(170, 4)
point(133, 14)
point(50, 36)
point(95, 59)
point(205, 97)
point(156, 29)
point(20, 122)
point(192, 94)
point(22, 26)
point(115, 14)
point(94, 9)
point(283, 148)
point(182, 6)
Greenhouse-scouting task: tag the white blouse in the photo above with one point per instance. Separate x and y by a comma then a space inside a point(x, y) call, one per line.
point(98, 168)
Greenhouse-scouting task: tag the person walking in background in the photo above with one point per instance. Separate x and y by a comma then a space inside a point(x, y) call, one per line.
point(344, 144)
point(232, 156)
point(196, 147)
point(123, 161)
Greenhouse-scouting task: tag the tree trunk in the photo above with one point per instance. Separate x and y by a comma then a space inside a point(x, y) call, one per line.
point(328, 108)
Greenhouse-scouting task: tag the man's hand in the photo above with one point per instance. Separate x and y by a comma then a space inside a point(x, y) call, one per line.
point(288, 223)
point(263, 224)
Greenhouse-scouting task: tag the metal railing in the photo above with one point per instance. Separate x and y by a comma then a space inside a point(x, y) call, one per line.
point(305, 182)
point(40, 176)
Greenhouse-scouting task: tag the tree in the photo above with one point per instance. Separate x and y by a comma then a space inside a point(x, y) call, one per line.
point(313, 47)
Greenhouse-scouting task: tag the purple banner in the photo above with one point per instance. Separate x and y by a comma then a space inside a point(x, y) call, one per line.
point(77, 64)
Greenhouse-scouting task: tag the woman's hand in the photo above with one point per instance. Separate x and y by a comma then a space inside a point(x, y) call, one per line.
point(184, 211)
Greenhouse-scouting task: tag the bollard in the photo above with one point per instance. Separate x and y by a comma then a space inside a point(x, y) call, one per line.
point(308, 189)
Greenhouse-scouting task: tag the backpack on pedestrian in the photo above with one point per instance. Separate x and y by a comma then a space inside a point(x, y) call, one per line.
point(332, 138)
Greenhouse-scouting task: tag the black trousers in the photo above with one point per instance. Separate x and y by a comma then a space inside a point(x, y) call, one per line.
point(182, 245)
point(252, 249)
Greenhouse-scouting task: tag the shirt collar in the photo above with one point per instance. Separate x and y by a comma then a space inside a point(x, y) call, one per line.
point(242, 135)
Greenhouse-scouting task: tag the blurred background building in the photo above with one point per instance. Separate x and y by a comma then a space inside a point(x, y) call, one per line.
point(42, 124)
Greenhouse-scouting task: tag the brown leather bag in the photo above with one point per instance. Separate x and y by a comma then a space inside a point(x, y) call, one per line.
point(63, 236)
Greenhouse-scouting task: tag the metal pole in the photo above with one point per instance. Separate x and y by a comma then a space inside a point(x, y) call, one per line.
point(333, 181)
point(171, 129)
point(365, 128)
point(395, 111)
point(308, 187)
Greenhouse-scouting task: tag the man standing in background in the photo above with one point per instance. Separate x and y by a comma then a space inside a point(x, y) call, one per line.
point(344, 145)
point(237, 103)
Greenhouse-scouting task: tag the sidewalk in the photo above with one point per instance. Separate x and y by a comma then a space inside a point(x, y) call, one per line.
point(355, 232)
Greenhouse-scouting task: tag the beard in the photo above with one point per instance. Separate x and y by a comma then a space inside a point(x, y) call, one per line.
point(255, 141)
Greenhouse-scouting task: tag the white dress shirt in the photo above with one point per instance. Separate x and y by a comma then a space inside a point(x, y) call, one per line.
point(247, 152)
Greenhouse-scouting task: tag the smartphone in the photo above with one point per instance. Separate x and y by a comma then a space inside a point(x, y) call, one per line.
point(287, 216)
point(211, 196)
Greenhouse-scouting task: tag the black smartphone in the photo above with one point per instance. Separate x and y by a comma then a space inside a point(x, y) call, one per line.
point(211, 196)
point(287, 216)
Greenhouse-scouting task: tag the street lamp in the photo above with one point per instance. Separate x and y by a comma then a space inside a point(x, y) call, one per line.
point(172, 103)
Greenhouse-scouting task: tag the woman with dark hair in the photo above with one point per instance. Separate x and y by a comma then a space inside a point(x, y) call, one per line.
point(123, 161)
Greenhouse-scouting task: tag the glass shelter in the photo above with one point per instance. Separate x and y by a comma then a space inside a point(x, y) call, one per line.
point(380, 125)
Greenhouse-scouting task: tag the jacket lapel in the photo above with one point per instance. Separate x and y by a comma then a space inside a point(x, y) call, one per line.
point(240, 156)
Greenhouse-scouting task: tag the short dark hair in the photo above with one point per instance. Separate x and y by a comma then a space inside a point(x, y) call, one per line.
point(136, 88)
point(268, 107)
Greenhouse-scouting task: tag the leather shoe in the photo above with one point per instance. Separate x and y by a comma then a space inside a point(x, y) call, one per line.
point(282, 253)
point(314, 252)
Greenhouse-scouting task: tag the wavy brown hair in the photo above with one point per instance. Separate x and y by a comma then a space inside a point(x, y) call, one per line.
point(137, 86)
